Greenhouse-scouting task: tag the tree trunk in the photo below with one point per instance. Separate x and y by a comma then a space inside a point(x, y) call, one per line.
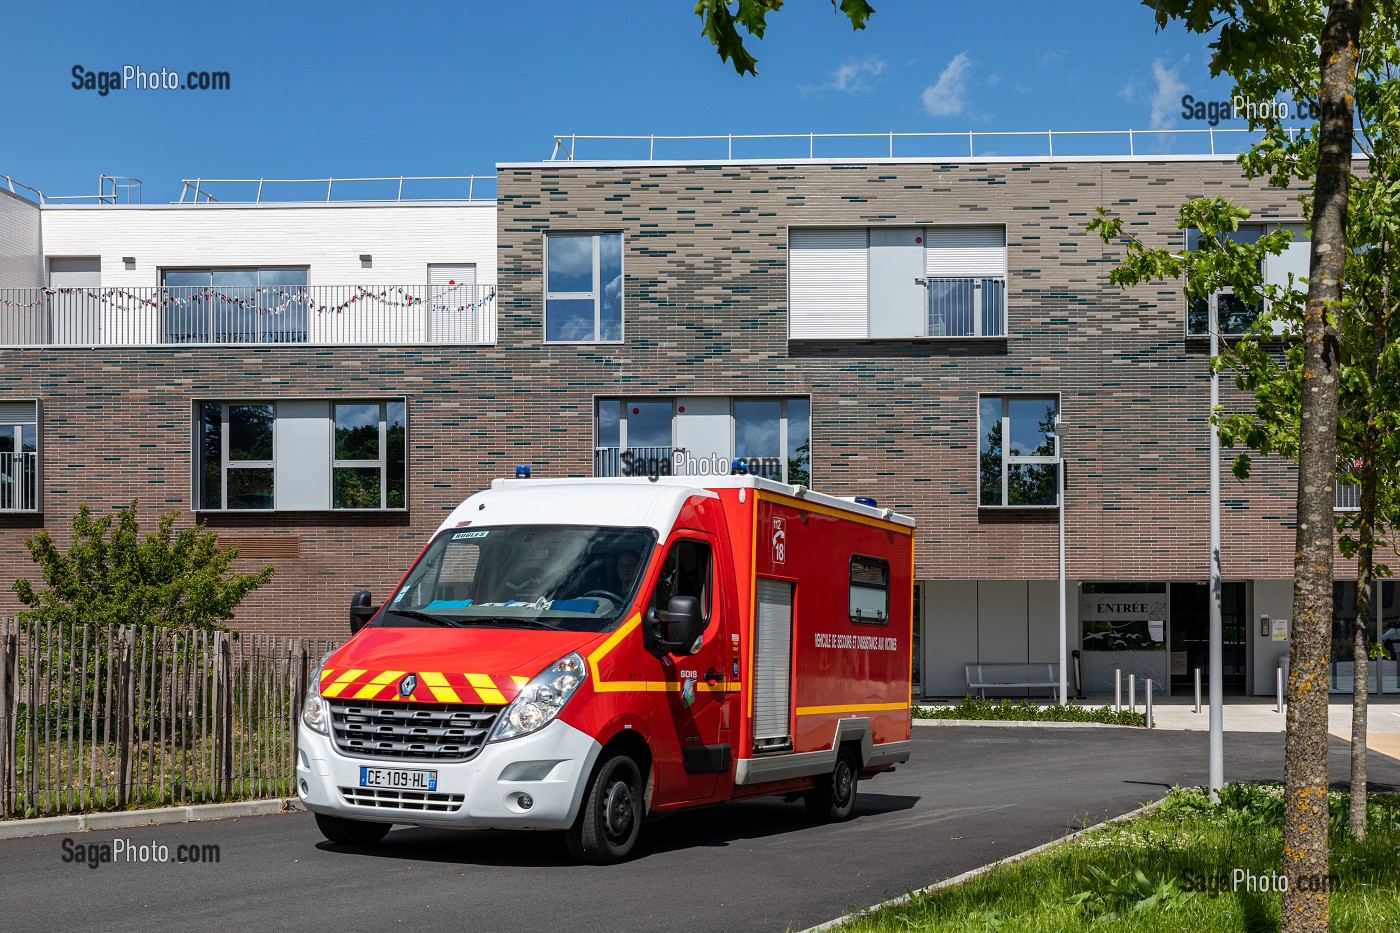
point(1365, 566)
point(1305, 749)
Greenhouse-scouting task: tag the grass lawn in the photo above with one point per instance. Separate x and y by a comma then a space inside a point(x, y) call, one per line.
point(973, 708)
point(1185, 865)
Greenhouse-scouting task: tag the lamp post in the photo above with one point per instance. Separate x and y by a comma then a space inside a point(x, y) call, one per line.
point(1217, 726)
point(1060, 428)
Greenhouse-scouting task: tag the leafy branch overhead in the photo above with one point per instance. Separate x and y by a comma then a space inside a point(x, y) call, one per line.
point(723, 20)
point(166, 578)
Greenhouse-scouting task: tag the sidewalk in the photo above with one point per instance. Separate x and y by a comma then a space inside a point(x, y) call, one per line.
point(1259, 714)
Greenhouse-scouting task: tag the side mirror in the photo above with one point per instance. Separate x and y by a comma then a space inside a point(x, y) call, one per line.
point(360, 610)
point(674, 629)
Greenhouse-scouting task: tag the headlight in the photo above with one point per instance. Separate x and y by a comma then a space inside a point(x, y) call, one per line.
point(541, 699)
point(316, 712)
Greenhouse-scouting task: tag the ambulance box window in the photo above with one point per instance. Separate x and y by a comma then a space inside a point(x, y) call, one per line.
point(870, 590)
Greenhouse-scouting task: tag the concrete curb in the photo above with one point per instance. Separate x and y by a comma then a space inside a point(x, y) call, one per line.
point(1023, 724)
point(969, 875)
point(160, 816)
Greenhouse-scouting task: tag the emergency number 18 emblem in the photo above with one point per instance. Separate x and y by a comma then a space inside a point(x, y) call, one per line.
point(779, 540)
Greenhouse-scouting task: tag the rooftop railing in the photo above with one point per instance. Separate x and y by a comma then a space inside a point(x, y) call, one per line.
point(248, 315)
point(1208, 141)
point(329, 190)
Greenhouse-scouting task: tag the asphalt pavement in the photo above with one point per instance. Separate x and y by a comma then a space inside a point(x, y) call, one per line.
point(968, 796)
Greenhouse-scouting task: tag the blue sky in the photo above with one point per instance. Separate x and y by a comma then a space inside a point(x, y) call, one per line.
point(349, 89)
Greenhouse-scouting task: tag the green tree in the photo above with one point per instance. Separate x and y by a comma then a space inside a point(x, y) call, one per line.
point(723, 19)
point(1303, 52)
point(166, 578)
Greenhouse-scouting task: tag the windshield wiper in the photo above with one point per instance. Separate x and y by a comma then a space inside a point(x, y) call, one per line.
point(511, 620)
point(425, 617)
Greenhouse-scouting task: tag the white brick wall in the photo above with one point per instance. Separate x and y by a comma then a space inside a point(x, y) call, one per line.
point(329, 238)
point(21, 255)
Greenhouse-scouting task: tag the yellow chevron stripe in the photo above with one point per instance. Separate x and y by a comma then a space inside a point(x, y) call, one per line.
point(341, 683)
point(439, 687)
point(377, 684)
point(326, 672)
point(520, 681)
point(486, 688)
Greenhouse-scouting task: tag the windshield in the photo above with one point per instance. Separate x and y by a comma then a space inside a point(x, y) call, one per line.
point(538, 576)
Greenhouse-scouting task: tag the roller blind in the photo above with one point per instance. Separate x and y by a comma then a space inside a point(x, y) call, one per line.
point(976, 252)
point(828, 290)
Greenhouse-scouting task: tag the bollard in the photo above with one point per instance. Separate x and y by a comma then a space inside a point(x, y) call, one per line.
point(1149, 702)
point(1198, 691)
point(1278, 686)
point(1118, 690)
point(1132, 693)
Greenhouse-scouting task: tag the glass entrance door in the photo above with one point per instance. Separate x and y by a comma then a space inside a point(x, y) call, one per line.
point(1190, 636)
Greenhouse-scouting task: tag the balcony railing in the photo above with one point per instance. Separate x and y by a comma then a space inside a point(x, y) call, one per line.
point(252, 315)
point(638, 461)
point(966, 307)
point(19, 481)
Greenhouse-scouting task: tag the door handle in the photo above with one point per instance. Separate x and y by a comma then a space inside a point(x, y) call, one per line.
point(712, 676)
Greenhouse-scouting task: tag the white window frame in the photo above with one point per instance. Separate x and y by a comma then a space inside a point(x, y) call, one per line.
point(36, 407)
point(783, 423)
point(1007, 460)
point(1213, 301)
point(1001, 276)
point(329, 466)
point(382, 463)
point(595, 295)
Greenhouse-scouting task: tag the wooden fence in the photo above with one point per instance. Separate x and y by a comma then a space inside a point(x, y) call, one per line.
point(96, 718)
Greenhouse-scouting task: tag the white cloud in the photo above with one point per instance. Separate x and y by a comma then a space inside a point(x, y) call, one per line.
point(851, 76)
point(944, 98)
point(1166, 99)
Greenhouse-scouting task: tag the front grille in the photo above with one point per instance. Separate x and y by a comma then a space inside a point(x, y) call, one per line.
point(432, 731)
point(401, 799)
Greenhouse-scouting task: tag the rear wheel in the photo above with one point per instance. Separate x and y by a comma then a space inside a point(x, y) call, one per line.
point(349, 832)
point(610, 816)
point(833, 800)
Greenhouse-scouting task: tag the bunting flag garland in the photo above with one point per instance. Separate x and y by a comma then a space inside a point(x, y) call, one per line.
point(286, 299)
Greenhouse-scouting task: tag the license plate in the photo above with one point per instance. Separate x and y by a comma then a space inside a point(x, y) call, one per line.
point(398, 779)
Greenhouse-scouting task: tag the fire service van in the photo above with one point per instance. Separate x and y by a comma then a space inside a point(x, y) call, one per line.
point(583, 654)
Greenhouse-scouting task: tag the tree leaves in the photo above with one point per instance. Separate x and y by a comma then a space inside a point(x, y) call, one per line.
point(111, 575)
point(721, 24)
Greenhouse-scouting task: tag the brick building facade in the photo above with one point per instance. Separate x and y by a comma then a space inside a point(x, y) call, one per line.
point(706, 327)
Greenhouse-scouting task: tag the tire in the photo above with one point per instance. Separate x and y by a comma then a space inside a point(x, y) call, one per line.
point(833, 800)
point(349, 832)
point(610, 816)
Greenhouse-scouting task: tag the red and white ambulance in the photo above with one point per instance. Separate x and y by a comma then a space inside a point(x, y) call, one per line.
point(582, 654)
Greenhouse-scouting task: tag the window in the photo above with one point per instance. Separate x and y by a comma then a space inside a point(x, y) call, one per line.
point(368, 470)
point(235, 305)
point(1017, 451)
point(19, 456)
point(583, 287)
point(685, 572)
point(1346, 497)
point(300, 455)
point(1235, 315)
point(897, 283)
point(870, 590)
point(704, 436)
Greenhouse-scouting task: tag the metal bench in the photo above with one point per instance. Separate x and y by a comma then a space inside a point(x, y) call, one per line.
point(981, 677)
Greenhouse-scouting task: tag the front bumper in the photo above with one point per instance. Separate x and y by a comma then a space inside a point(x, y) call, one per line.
point(551, 766)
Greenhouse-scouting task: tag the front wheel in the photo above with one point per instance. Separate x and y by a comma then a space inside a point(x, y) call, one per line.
point(833, 800)
point(350, 832)
point(610, 816)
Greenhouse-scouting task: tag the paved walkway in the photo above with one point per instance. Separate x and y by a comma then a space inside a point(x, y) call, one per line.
point(1260, 714)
